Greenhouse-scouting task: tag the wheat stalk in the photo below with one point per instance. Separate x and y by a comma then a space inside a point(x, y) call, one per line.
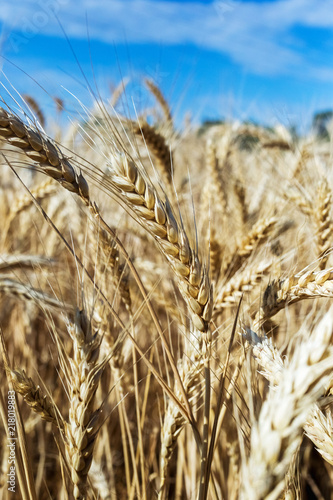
point(215, 255)
point(240, 193)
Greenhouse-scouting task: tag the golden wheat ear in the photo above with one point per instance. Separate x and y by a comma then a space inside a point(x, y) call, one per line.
point(35, 107)
point(84, 421)
point(43, 151)
point(158, 218)
point(157, 93)
point(34, 397)
point(157, 145)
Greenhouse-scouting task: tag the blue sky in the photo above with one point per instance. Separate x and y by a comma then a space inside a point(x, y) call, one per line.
point(266, 60)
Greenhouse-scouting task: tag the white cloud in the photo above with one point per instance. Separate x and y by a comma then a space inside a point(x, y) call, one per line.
point(255, 35)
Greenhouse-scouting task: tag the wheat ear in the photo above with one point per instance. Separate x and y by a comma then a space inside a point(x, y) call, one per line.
point(259, 234)
point(282, 418)
point(118, 91)
point(303, 156)
point(40, 192)
point(34, 397)
point(157, 217)
point(242, 282)
point(14, 287)
point(190, 368)
point(83, 424)
point(318, 427)
point(157, 93)
point(307, 285)
point(323, 221)
point(43, 151)
point(156, 144)
point(213, 197)
point(35, 107)
point(119, 271)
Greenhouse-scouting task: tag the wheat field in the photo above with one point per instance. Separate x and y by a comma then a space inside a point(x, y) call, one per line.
point(165, 318)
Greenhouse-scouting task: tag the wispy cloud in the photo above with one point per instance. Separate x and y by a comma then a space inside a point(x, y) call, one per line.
point(261, 37)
